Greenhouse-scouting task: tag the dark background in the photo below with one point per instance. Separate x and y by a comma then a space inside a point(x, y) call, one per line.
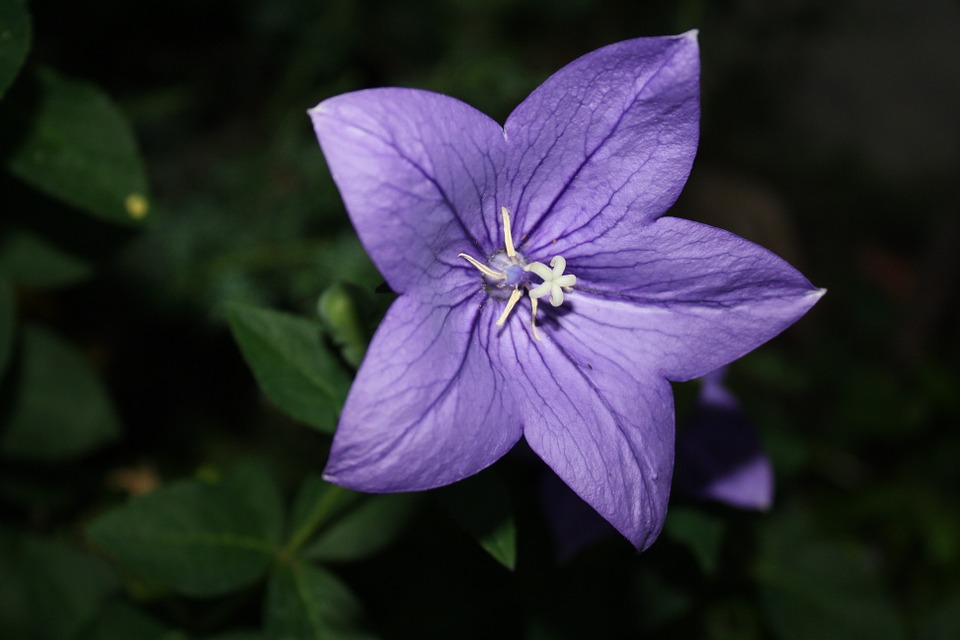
point(830, 134)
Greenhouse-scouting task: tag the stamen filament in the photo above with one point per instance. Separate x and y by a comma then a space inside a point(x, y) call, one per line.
point(533, 318)
point(507, 234)
point(511, 303)
point(484, 269)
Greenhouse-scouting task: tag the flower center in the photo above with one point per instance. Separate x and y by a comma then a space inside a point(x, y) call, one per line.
point(507, 275)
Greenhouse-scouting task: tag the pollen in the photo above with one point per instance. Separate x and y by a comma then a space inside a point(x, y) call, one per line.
point(136, 206)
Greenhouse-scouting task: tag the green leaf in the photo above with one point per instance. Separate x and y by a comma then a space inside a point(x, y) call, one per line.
point(15, 34)
point(317, 504)
point(14, 601)
point(49, 588)
point(79, 148)
point(121, 621)
point(8, 322)
point(198, 538)
point(62, 408)
point(364, 530)
point(31, 261)
point(812, 588)
point(698, 531)
point(306, 602)
point(943, 623)
point(350, 315)
point(481, 506)
point(292, 365)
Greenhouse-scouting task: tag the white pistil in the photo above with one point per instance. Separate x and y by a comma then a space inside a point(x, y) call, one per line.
point(554, 284)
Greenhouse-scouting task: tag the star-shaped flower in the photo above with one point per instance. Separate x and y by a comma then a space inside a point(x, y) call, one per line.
point(462, 216)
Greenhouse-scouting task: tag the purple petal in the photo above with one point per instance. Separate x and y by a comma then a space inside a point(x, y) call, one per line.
point(686, 297)
point(606, 430)
point(606, 143)
point(719, 456)
point(428, 407)
point(417, 172)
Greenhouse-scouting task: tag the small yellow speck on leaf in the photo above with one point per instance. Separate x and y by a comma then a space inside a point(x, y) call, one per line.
point(137, 206)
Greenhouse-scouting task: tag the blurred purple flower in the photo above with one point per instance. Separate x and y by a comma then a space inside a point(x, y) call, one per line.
point(463, 217)
point(719, 455)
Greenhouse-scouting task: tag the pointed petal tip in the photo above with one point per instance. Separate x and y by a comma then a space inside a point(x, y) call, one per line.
point(692, 35)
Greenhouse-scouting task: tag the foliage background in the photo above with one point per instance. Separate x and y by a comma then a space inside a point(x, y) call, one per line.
point(829, 135)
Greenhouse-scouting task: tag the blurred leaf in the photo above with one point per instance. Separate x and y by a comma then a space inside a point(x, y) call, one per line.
point(49, 588)
point(290, 362)
point(943, 623)
point(306, 602)
point(15, 36)
point(812, 588)
point(659, 602)
point(8, 322)
point(364, 530)
point(699, 532)
point(80, 149)
point(317, 504)
point(198, 538)
point(14, 613)
point(481, 506)
point(346, 311)
point(63, 409)
point(122, 621)
point(31, 261)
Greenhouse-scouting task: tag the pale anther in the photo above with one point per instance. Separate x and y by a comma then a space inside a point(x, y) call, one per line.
point(507, 234)
point(511, 303)
point(484, 269)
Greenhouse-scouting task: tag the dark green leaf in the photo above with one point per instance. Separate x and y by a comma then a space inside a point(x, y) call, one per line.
point(49, 588)
point(812, 588)
point(291, 363)
point(659, 602)
point(80, 149)
point(481, 506)
point(14, 40)
point(8, 322)
point(306, 602)
point(698, 531)
point(943, 623)
point(62, 408)
point(195, 537)
point(317, 505)
point(31, 261)
point(364, 530)
point(14, 601)
point(121, 621)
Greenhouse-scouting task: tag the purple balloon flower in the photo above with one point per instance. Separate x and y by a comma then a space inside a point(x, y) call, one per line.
point(562, 205)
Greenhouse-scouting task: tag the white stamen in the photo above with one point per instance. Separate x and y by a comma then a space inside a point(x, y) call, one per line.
point(484, 269)
point(511, 303)
point(507, 235)
point(533, 318)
